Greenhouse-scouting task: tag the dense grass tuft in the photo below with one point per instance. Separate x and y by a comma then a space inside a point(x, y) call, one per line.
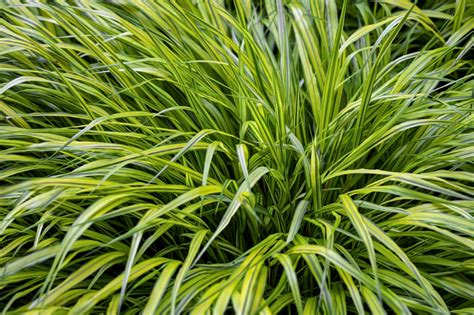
point(248, 157)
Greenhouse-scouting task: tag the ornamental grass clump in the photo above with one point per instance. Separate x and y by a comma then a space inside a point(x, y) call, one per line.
point(237, 157)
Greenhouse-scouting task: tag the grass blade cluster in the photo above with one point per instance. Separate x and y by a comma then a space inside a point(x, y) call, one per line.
point(247, 157)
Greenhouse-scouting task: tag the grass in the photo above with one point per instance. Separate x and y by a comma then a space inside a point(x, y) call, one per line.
point(247, 157)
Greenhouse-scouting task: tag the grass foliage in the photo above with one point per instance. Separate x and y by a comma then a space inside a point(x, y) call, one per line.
point(249, 157)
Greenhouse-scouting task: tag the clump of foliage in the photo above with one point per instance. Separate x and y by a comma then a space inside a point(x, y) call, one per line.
point(249, 157)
